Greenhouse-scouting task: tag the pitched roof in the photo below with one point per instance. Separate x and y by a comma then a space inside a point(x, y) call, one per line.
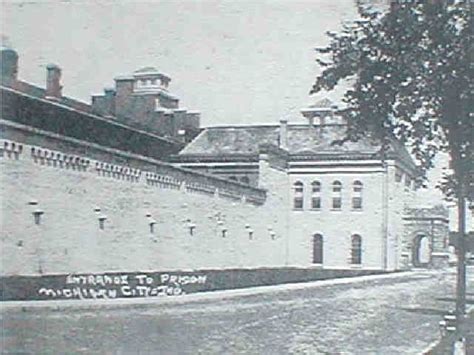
point(246, 139)
point(303, 140)
point(59, 118)
point(40, 93)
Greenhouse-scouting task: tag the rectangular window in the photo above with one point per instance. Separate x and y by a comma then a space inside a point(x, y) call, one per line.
point(298, 203)
point(316, 203)
point(336, 203)
point(407, 181)
point(357, 203)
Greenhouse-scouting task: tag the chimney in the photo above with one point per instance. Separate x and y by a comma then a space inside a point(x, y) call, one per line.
point(9, 64)
point(123, 95)
point(53, 84)
point(109, 97)
point(284, 134)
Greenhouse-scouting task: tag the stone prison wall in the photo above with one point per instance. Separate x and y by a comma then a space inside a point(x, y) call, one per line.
point(67, 213)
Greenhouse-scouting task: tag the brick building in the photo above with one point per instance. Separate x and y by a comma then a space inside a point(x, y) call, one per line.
point(142, 100)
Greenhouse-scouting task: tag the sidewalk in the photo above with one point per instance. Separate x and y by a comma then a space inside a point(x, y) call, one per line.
point(446, 344)
point(204, 296)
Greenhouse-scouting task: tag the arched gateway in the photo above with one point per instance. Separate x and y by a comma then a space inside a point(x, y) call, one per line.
point(421, 250)
point(426, 237)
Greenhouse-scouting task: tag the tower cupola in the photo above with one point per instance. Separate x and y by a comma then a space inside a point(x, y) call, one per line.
point(149, 79)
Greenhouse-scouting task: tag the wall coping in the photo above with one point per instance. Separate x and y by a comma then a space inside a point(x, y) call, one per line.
point(160, 174)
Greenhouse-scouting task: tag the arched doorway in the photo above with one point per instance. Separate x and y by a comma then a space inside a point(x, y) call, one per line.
point(356, 249)
point(318, 249)
point(421, 251)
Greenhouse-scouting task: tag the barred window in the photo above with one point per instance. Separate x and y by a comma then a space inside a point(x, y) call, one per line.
point(336, 195)
point(298, 195)
point(357, 195)
point(316, 195)
point(357, 203)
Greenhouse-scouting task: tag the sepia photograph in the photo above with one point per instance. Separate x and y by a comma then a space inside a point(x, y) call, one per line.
point(237, 177)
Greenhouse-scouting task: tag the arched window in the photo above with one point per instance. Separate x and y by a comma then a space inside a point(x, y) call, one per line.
point(356, 249)
point(357, 195)
point(336, 195)
point(244, 180)
point(315, 195)
point(317, 249)
point(298, 195)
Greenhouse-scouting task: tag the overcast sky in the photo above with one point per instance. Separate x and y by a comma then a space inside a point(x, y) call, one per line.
point(234, 61)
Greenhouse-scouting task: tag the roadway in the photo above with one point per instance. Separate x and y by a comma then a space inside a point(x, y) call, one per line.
point(395, 314)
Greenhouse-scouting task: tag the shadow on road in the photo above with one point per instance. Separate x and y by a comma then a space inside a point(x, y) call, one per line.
point(451, 299)
point(425, 311)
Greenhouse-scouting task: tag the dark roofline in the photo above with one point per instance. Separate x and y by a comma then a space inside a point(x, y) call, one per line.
point(273, 125)
point(40, 93)
point(335, 156)
point(91, 115)
point(197, 158)
point(61, 119)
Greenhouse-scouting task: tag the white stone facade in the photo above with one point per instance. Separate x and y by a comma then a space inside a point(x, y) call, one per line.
point(346, 207)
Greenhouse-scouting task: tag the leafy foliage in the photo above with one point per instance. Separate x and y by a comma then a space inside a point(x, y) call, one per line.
point(413, 67)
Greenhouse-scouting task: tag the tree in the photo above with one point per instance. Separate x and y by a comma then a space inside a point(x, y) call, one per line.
point(412, 68)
